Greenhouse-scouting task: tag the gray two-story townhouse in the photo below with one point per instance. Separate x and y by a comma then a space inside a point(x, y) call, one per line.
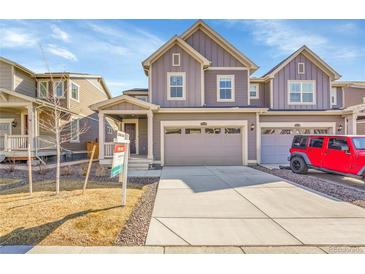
point(202, 107)
point(25, 102)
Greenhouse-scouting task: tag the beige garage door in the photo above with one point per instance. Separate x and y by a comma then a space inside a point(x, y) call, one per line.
point(203, 146)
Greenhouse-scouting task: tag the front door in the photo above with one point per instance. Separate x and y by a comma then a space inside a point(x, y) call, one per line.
point(130, 128)
point(336, 157)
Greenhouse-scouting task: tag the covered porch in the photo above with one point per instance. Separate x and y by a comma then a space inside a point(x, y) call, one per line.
point(130, 115)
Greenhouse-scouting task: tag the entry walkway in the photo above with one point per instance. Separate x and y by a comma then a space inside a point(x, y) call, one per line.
point(241, 206)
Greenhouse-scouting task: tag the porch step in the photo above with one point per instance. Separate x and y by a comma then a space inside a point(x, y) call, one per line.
point(136, 163)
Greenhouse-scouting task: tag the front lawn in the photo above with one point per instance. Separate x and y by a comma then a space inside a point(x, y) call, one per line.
point(70, 218)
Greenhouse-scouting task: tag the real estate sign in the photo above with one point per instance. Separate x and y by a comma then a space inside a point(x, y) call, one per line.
point(118, 159)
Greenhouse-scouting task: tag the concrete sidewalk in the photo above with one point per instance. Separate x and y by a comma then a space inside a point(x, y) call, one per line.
point(182, 250)
point(241, 206)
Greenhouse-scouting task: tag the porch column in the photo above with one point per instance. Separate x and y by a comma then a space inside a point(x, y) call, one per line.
point(31, 126)
point(150, 134)
point(351, 124)
point(101, 135)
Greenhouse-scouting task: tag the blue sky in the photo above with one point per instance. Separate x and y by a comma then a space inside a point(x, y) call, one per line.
point(116, 48)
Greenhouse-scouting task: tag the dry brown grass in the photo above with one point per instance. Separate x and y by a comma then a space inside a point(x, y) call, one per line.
point(6, 181)
point(70, 218)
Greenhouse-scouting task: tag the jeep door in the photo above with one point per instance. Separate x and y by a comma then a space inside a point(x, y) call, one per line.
point(315, 150)
point(337, 155)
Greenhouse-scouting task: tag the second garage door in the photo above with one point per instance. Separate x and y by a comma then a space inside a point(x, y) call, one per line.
point(276, 142)
point(203, 146)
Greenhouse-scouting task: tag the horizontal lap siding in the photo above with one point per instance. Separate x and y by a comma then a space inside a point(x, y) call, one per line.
point(24, 84)
point(6, 77)
point(312, 72)
point(241, 87)
point(12, 114)
point(212, 51)
point(190, 66)
point(354, 96)
point(157, 118)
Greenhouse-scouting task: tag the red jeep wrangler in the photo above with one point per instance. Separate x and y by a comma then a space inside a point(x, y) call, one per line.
point(343, 155)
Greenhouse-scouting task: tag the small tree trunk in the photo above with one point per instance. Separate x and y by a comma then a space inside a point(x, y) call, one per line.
point(58, 153)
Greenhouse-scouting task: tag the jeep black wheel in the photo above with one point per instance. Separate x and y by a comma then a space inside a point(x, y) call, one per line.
point(298, 165)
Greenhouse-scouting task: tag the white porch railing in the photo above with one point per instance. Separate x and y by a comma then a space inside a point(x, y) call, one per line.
point(108, 149)
point(20, 143)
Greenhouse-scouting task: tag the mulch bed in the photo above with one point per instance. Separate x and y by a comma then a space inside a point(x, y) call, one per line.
point(135, 231)
point(341, 192)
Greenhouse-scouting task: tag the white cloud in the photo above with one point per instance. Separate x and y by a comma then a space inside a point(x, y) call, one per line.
point(59, 34)
point(12, 38)
point(61, 52)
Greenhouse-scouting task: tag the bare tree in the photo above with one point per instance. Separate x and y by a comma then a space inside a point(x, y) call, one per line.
point(58, 120)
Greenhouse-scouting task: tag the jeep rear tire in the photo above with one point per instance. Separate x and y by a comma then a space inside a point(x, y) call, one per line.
point(298, 165)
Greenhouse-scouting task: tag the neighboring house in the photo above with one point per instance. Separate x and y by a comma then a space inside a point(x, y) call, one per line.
point(204, 108)
point(23, 104)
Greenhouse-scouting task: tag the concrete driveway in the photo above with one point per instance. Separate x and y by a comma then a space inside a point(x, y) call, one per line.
point(242, 206)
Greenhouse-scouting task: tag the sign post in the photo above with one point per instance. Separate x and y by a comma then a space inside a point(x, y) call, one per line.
point(120, 164)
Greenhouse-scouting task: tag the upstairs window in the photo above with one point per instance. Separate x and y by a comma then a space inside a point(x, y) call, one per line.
point(301, 68)
point(75, 92)
point(225, 88)
point(254, 91)
point(176, 85)
point(301, 92)
point(176, 59)
point(333, 97)
point(43, 89)
point(58, 89)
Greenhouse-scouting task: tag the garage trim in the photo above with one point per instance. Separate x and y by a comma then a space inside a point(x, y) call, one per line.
point(207, 123)
point(288, 125)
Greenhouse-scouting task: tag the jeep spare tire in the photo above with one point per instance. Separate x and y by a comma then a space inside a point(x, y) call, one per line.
point(298, 165)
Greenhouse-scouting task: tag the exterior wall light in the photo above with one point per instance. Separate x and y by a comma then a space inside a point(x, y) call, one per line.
point(340, 128)
point(252, 126)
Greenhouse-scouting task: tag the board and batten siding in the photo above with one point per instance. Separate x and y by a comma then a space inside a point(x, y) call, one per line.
point(24, 84)
point(240, 85)
point(6, 76)
point(158, 117)
point(193, 71)
point(207, 47)
point(339, 94)
point(290, 72)
point(264, 96)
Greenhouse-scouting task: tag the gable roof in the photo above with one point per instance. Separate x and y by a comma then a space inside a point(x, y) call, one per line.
point(123, 98)
point(175, 40)
point(12, 63)
point(200, 24)
point(308, 53)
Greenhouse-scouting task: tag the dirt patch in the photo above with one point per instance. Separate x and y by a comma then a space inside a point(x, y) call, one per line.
point(135, 231)
point(341, 192)
point(69, 218)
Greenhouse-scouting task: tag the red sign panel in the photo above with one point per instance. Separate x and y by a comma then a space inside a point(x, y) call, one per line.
point(119, 148)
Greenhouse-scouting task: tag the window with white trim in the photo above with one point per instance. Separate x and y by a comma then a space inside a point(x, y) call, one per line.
point(43, 89)
point(254, 91)
point(225, 88)
point(301, 92)
point(75, 92)
point(176, 59)
point(176, 85)
point(58, 89)
point(75, 130)
point(301, 68)
point(333, 97)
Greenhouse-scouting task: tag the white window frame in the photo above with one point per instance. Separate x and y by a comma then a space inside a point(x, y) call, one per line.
point(78, 130)
point(173, 59)
point(303, 66)
point(39, 89)
point(169, 74)
point(54, 89)
point(334, 94)
point(78, 92)
point(301, 92)
point(257, 91)
point(219, 77)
